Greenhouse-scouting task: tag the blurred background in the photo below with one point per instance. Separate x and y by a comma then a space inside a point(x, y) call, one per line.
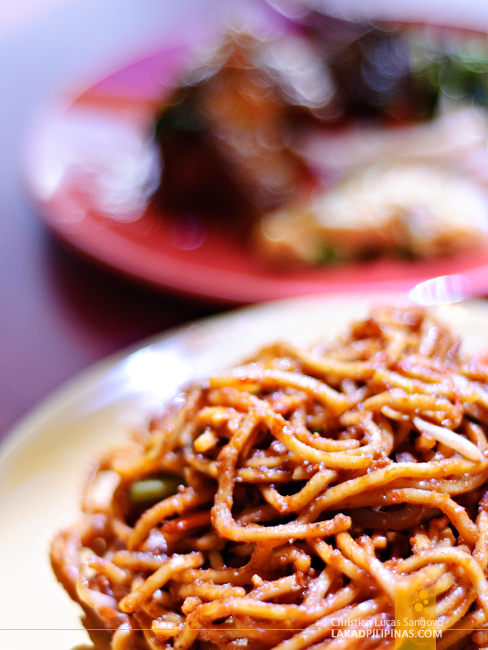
point(58, 312)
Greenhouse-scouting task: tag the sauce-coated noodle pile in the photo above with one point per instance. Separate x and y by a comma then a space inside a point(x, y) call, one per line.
point(297, 491)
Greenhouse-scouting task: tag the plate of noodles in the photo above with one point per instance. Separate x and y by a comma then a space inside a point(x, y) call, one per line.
point(279, 157)
point(276, 477)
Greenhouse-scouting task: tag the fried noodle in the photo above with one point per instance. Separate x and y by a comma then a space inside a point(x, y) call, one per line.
point(308, 488)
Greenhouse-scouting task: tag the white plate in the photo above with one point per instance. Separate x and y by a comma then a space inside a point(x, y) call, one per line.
point(45, 459)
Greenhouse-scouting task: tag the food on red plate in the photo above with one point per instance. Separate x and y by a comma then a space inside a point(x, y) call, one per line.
point(303, 493)
point(265, 124)
point(222, 132)
point(414, 210)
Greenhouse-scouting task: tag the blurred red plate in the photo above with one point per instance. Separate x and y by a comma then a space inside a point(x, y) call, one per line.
point(88, 160)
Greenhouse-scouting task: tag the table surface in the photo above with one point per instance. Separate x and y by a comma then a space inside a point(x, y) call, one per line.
point(60, 313)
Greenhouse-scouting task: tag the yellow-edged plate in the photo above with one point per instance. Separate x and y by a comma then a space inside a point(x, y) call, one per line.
point(47, 456)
